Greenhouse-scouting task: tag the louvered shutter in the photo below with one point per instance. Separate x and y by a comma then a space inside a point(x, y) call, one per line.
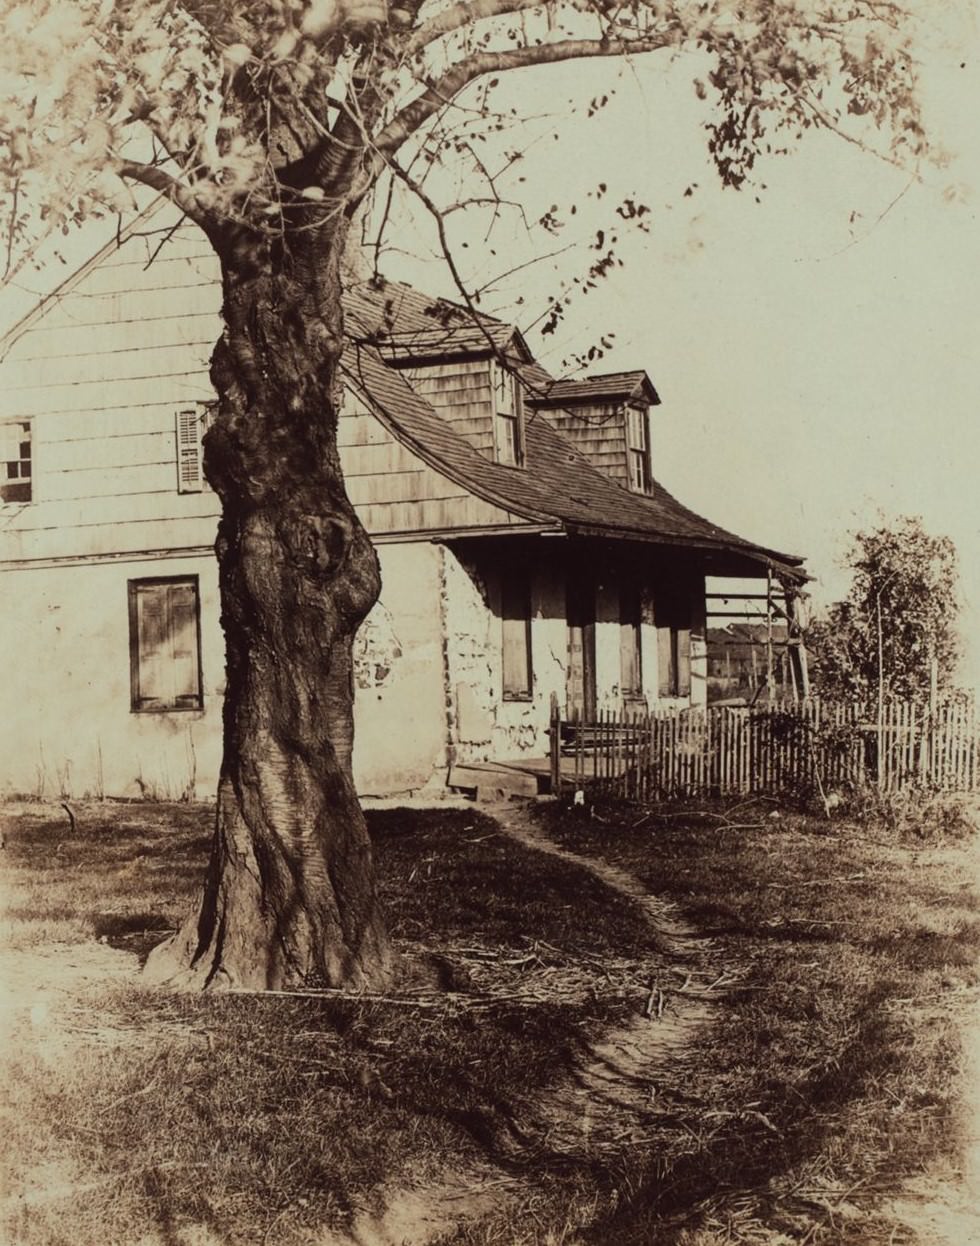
point(153, 631)
point(183, 632)
point(190, 478)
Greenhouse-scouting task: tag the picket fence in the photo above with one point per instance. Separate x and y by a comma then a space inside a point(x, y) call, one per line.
point(723, 750)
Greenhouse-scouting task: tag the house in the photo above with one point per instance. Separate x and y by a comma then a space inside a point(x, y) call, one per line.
point(526, 548)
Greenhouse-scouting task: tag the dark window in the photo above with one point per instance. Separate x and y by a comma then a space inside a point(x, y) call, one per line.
point(673, 616)
point(165, 644)
point(16, 479)
point(508, 417)
point(630, 649)
point(515, 612)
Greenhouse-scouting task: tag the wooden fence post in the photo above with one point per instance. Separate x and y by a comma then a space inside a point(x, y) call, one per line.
point(555, 748)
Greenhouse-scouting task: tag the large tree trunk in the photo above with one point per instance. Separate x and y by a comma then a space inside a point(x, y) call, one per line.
point(289, 896)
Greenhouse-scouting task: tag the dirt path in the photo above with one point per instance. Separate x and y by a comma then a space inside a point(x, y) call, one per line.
point(605, 1100)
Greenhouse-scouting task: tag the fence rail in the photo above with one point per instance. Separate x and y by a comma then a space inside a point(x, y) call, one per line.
point(727, 750)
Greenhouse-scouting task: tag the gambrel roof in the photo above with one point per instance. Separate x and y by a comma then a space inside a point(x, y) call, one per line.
point(557, 486)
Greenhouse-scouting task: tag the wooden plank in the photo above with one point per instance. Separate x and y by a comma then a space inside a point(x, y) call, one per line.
point(176, 273)
point(126, 307)
point(362, 430)
point(78, 428)
point(180, 388)
point(377, 458)
point(96, 540)
point(73, 339)
point(101, 366)
point(135, 449)
point(130, 482)
point(61, 516)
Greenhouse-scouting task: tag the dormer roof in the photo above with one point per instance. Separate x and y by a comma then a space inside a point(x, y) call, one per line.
point(625, 387)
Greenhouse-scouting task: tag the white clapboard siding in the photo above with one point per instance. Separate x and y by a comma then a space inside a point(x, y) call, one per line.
point(71, 340)
point(134, 449)
point(361, 430)
point(97, 482)
point(422, 485)
point(436, 515)
point(108, 540)
point(379, 456)
point(88, 424)
point(163, 273)
point(102, 367)
point(127, 307)
point(178, 388)
point(186, 242)
point(120, 509)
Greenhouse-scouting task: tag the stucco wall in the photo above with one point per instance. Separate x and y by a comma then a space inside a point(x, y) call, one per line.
point(400, 712)
point(67, 729)
point(483, 724)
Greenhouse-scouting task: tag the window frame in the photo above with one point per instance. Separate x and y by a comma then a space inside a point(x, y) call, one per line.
point(637, 422)
point(25, 423)
point(507, 414)
point(133, 588)
point(515, 609)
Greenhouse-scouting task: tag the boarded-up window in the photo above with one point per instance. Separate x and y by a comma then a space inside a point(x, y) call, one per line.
point(190, 427)
point(164, 644)
point(638, 448)
point(508, 417)
point(515, 610)
point(630, 653)
point(15, 461)
point(673, 616)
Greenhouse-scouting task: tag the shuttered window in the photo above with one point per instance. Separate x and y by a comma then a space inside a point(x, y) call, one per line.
point(15, 461)
point(673, 616)
point(630, 653)
point(190, 426)
point(516, 624)
point(164, 644)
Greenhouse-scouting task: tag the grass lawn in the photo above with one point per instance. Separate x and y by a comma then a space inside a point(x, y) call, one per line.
point(259, 1116)
point(826, 1081)
point(832, 1076)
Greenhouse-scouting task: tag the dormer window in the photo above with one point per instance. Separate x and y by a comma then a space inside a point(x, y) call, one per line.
point(508, 422)
point(638, 448)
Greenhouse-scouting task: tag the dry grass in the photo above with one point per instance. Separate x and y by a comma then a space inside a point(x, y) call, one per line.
point(832, 1076)
point(828, 1081)
point(258, 1118)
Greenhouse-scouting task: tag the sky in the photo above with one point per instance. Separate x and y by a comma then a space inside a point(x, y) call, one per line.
point(816, 352)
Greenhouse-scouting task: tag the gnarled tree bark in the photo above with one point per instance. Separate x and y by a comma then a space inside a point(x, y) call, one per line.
point(289, 896)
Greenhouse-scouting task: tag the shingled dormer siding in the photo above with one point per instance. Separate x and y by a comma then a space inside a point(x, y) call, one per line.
point(599, 432)
point(461, 391)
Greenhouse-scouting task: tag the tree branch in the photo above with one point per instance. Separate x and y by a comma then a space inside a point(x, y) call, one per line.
point(176, 191)
point(463, 14)
point(408, 120)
